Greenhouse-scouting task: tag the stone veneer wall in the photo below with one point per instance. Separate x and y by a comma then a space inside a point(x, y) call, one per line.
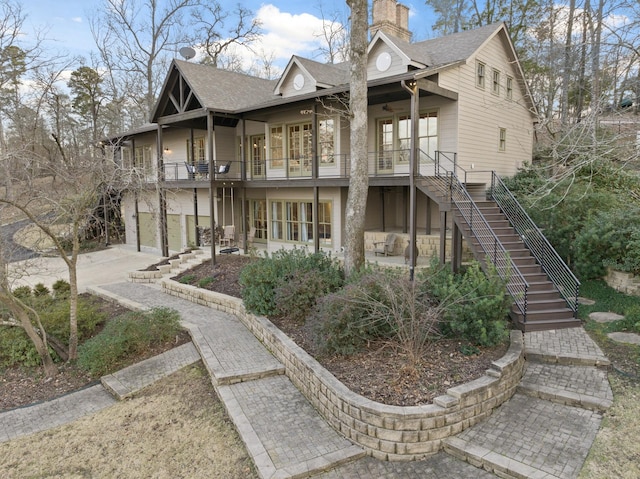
point(392, 433)
point(624, 282)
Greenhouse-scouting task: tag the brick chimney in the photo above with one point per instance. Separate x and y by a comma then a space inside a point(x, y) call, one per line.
point(392, 18)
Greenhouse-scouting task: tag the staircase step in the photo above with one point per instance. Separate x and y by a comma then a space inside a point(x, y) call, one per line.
point(582, 386)
point(543, 294)
point(538, 305)
point(529, 438)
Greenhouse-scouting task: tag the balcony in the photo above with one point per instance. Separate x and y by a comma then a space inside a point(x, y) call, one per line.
point(393, 163)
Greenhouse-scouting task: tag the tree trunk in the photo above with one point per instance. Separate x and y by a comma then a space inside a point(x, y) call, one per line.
point(566, 70)
point(73, 298)
point(359, 171)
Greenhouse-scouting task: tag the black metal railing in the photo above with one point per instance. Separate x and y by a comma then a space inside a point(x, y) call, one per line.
point(489, 243)
point(548, 258)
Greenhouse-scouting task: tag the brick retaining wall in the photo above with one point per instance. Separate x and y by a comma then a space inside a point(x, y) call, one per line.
point(392, 433)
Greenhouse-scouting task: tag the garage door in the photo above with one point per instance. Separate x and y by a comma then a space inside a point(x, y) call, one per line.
point(174, 232)
point(148, 229)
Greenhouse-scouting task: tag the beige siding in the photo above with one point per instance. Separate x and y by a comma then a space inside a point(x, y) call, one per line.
point(397, 64)
point(287, 88)
point(482, 114)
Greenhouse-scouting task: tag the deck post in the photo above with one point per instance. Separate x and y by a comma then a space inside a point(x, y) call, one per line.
point(443, 237)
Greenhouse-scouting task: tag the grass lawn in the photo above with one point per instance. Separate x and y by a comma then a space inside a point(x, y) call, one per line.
point(616, 450)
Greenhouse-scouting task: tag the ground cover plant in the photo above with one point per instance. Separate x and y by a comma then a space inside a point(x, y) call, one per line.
point(21, 377)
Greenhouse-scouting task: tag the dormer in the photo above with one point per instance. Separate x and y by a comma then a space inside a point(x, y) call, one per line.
point(388, 57)
point(305, 76)
point(295, 80)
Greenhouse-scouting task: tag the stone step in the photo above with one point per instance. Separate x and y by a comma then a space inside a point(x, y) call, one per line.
point(283, 433)
point(529, 438)
point(570, 346)
point(582, 386)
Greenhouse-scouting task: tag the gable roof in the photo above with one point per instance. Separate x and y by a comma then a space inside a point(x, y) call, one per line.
point(325, 75)
point(216, 89)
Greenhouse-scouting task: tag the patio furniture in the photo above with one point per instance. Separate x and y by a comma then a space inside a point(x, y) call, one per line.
point(229, 236)
point(385, 247)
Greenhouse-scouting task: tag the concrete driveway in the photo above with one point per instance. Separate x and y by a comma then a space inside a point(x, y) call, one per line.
point(101, 267)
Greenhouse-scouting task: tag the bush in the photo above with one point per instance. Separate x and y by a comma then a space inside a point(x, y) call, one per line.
point(262, 279)
point(129, 334)
point(61, 289)
point(204, 282)
point(610, 238)
point(17, 349)
point(22, 292)
point(342, 322)
point(475, 307)
point(40, 290)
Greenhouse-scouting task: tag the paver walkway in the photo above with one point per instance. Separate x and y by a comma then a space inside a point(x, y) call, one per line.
point(544, 431)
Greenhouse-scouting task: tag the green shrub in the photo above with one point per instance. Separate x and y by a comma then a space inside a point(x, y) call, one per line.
point(16, 349)
point(261, 279)
point(610, 238)
point(476, 307)
point(22, 292)
point(187, 279)
point(126, 335)
point(61, 289)
point(344, 321)
point(40, 290)
point(204, 282)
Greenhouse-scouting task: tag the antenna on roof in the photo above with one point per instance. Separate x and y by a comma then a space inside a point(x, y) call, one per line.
point(187, 53)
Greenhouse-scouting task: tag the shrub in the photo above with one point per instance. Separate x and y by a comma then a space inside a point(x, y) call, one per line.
point(22, 292)
point(61, 289)
point(610, 238)
point(262, 279)
point(16, 349)
point(129, 334)
point(204, 282)
point(476, 307)
point(187, 279)
point(40, 290)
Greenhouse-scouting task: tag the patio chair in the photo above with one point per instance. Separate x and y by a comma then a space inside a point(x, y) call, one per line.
point(191, 171)
point(229, 236)
point(385, 247)
point(250, 237)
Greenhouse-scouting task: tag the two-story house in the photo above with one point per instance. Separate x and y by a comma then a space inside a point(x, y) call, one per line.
point(271, 157)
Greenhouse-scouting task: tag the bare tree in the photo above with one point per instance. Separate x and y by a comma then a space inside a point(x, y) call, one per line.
point(215, 39)
point(335, 37)
point(136, 40)
point(359, 170)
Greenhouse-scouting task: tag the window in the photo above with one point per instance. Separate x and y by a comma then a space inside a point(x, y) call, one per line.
point(326, 141)
point(428, 133)
point(480, 74)
point(510, 88)
point(142, 157)
point(385, 144)
point(276, 147)
point(127, 162)
point(495, 88)
point(394, 138)
point(293, 221)
point(300, 143)
point(502, 143)
point(404, 138)
point(198, 150)
point(324, 224)
point(277, 223)
point(258, 220)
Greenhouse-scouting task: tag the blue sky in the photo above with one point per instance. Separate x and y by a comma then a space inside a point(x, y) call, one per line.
point(288, 25)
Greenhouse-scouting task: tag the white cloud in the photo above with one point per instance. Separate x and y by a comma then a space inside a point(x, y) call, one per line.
point(77, 19)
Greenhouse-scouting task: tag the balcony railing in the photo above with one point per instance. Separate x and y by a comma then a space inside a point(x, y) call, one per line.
point(391, 163)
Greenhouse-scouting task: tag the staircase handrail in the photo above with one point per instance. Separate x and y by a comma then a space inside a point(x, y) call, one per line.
point(494, 251)
point(548, 258)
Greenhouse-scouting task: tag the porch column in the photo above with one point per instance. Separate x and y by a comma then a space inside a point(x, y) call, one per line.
point(382, 208)
point(316, 217)
point(195, 190)
point(428, 219)
point(456, 248)
point(136, 213)
point(212, 201)
point(443, 237)
point(162, 200)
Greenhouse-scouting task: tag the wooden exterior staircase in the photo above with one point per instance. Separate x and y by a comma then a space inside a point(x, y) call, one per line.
point(497, 229)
